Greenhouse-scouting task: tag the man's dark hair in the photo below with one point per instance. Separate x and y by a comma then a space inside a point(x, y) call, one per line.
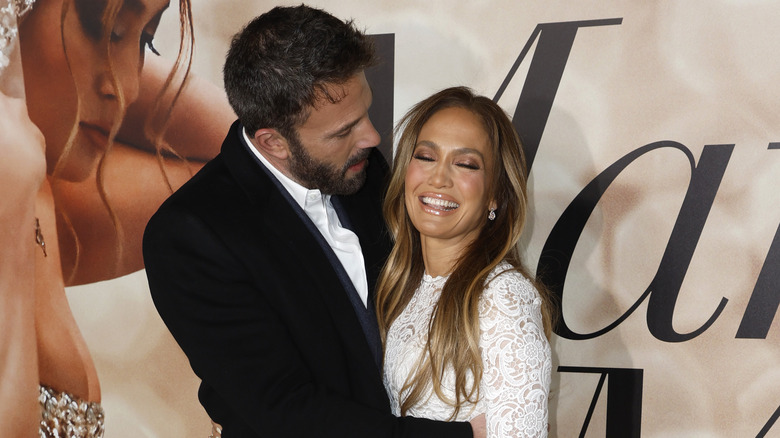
point(283, 61)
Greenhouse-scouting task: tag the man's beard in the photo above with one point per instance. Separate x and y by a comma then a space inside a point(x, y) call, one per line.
point(327, 178)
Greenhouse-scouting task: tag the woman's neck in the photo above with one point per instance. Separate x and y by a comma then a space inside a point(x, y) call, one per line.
point(440, 256)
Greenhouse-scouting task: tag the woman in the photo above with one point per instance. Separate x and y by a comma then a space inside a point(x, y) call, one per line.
point(464, 325)
point(89, 90)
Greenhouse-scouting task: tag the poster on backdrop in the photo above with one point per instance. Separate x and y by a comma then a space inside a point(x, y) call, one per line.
point(653, 140)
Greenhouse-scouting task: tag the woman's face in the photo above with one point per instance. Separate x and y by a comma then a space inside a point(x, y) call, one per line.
point(446, 180)
point(66, 65)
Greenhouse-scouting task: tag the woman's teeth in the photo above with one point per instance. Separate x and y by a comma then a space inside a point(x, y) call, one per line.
point(440, 203)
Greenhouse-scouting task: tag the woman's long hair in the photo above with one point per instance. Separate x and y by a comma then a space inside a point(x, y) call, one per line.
point(453, 332)
point(154, 126)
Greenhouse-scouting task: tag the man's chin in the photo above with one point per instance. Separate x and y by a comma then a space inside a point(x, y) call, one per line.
point(352, 184)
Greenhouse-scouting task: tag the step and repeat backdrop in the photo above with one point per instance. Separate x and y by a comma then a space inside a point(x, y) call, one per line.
point(652, 129)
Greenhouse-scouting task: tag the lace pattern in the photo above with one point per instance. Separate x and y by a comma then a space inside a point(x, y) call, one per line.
point(515, 352)
point(64, 416)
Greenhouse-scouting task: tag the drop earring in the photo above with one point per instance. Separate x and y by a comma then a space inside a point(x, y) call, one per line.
point(492, 214)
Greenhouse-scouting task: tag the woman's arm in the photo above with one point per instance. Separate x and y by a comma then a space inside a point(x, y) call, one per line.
point(516, 357)
point(22, 169)
point(199, 119)
point(135, 185)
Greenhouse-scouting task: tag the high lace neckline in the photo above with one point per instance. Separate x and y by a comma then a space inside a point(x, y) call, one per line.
point(427, 278)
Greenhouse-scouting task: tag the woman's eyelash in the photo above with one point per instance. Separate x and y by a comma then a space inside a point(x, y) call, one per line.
point(422, 157)
point(148, 41)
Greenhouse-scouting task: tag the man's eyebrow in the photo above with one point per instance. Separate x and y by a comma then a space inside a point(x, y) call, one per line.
point(343, 130)
point(346, 128)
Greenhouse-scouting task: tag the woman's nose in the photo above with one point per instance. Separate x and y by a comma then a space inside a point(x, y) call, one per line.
point(440, 176)
point(122, 74)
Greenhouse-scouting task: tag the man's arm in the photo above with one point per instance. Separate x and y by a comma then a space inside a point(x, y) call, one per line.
point(242, 349)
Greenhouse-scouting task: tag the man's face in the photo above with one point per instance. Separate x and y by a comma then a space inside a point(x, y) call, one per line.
point(331, 149)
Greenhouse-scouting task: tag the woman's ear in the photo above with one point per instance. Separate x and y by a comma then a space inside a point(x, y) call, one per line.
point(493, 205)
point(270, 142)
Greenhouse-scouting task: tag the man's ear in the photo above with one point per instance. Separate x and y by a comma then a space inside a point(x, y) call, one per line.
point(270, 142)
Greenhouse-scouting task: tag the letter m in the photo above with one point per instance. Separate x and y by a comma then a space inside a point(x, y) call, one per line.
point(544, 77)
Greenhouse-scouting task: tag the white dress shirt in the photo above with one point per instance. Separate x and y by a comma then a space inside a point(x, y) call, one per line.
point(319, 209)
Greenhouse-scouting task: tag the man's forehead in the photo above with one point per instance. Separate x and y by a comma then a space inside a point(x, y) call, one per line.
point(344, 101)
point(329, 93)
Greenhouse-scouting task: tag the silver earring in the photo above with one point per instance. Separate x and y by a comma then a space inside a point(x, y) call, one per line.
point(492, 214)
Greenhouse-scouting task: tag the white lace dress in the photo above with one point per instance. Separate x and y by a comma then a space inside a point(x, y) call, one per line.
point(515, 355)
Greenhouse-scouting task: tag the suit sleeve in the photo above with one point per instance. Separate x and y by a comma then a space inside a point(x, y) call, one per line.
point(242, 350)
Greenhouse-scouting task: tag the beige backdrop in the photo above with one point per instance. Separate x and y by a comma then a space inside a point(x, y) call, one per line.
point(698, 72)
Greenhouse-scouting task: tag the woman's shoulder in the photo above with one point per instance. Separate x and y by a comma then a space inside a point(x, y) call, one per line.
point(507, 282)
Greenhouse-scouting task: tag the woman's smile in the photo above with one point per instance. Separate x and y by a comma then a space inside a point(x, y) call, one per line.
point(437, 205)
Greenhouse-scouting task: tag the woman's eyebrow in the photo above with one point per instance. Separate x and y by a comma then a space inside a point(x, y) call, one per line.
point(457, 151)
point(139, 7)
point(136, 6)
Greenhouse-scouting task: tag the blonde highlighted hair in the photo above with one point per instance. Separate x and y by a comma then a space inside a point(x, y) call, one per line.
point(453, 331)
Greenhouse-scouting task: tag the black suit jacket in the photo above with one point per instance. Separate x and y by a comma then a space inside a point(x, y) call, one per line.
point(251, 296)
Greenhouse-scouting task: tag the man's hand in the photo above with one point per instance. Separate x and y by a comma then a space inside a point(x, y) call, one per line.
point(479, 426)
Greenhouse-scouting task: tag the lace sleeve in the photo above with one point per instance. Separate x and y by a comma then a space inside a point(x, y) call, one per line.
point(516, 357)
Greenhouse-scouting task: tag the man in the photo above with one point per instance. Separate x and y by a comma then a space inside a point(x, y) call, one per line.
point(263, 265)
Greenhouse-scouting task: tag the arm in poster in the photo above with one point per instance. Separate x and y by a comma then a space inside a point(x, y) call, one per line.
point(22, 169)
point(197, 123)
point(136, 182)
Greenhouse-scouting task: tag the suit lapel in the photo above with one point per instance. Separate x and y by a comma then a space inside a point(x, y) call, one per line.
point(366, 313)
point(363, 213)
